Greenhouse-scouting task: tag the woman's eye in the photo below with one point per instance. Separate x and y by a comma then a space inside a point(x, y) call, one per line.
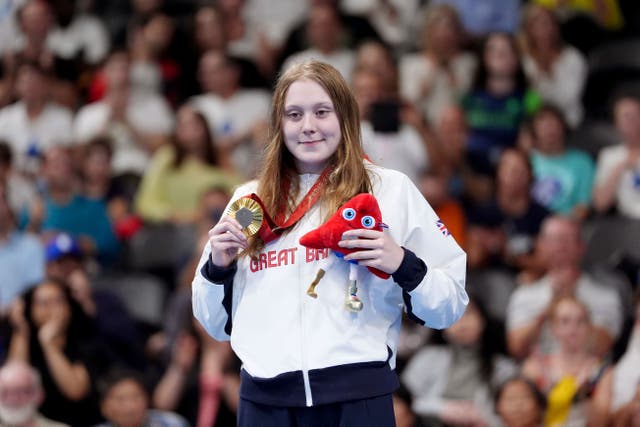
point(322, 113)
point(293, 115)
point(368, 221)
point(349, 214)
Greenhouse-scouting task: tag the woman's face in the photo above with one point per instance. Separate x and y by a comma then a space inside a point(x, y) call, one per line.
point(499, 56)
point(468, 329)
point(310, 126)
point(49, 303)
point(549, 133)
point(189, 130)
point(517, 406)
point(209, 32)
point(513, 172)
point(570, 325)
point(541, 27)
point(627, 119)
point(443, 34)
point(97, 164)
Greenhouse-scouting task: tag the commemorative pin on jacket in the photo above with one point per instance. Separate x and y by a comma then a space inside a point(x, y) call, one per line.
point(301, 351)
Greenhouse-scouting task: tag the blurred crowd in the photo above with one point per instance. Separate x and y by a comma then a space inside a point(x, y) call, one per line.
point(125, 126)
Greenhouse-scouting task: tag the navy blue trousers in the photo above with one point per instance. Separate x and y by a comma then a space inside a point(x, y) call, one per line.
point(373, 412)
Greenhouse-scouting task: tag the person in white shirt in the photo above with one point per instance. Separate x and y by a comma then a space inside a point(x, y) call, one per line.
point(33, 123)
point(557, 71)
point(78, 33)
point(236, 115)
point(21, 393)
point(386, 140)
point(324, 30)
point(34, 21)
point(441, 71)
point(560, 247)
point(137, 121)
point(617, 179)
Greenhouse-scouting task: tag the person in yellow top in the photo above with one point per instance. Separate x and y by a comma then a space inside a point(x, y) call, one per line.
point(605, 12)
point(181, 172)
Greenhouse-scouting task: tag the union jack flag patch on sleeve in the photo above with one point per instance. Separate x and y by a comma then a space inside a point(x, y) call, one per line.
point(443, 228)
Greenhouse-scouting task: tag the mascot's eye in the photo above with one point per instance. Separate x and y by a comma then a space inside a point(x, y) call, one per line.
point(368, 221)
point(349, 213)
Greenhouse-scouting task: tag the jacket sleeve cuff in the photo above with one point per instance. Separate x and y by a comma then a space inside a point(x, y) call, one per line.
point(411, 271)
point(218, 275)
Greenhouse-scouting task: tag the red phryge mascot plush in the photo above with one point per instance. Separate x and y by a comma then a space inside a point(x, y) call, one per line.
point(361, 211)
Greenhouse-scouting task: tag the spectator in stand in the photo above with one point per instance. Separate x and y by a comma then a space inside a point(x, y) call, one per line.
point(586, 24)
point(568, 375)
point(99, 184)
point(563, 176)
point(386, 140)
point(451, 383)
point(208, 34)
point(246, 35)
point(503, 231)
point(451, 133)
point(557, 71)
point(617, 396)
point(434, 186)
point(19, 191)
point(181, 172)
point(138, 122)
point(394, 20)
point(113, 324)
point(201, 379)
point(354, 30)
point(323, 31)
point(482, 18)
point(63, 207)
point(154, 67)
point(560, 248)
point(131, 14)
point(402, 409)
point(441, 71)
point(35, 20)
point(617, 181)
point(77, 35)
point(124, 401)
point(21, 257)
point(8, 27)
point(498, 102)
point(236, 115)
point(375, 56)
point(50, 331)
point(519, 403)
point(33, 124)
point(21, 394)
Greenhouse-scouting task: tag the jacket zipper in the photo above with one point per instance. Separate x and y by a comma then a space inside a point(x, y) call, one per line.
point(303, 358)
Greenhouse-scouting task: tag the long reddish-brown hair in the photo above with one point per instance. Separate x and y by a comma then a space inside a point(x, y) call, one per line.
point(349, 175)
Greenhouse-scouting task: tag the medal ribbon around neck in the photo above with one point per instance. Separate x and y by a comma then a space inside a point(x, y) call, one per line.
point(270, 228)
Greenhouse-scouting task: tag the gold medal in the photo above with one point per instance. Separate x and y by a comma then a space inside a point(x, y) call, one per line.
point(248, 213)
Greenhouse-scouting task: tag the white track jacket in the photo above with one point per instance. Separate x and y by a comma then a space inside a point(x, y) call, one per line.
point(300, 351)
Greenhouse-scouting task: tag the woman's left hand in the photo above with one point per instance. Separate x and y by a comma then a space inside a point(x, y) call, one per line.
point(373, 249)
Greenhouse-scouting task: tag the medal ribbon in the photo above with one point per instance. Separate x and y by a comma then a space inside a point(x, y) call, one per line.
point(271, 228)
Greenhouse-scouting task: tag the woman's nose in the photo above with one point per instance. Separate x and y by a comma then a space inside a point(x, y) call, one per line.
point(308, 123)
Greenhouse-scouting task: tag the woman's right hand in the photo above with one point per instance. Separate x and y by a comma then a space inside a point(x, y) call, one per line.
point(226, 238)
